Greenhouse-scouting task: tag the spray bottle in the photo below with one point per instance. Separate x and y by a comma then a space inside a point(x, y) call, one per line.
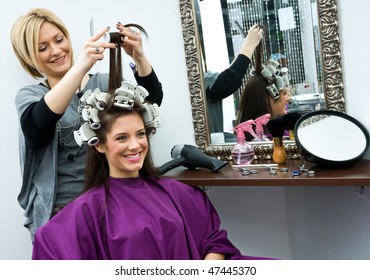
point(260, 122)
point(242, 152)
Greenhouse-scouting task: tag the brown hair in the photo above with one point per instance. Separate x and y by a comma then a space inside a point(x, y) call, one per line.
point(254, 100)
point(115, 63)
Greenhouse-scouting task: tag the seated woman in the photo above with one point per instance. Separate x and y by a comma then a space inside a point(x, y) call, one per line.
point(266, 92)
point(126, 211)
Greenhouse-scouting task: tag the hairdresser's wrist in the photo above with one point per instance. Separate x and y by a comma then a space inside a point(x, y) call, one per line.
point(143, 66)
point(247, 51)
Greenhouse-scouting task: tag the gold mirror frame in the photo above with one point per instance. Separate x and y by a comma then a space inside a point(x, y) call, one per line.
point(332, 70)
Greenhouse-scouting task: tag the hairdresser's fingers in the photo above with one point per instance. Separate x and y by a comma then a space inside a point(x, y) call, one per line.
point(100, 34)
point(95, 41)
point(253, 26)
point(89, 56)
point(256, 31)
point(257, 28)
point(133, 48)
point(131, 42)
point(131, 35)
point(130, 32)
point(94, 50)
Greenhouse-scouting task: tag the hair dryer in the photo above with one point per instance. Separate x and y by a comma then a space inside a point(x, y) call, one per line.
point(191, 157)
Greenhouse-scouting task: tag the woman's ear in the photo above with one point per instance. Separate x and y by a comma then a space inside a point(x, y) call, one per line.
point(100, 148)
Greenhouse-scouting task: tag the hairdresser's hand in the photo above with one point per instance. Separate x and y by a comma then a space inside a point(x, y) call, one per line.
point(252, 40)
point(60, 95)
point(133, 46)
point(93, 51)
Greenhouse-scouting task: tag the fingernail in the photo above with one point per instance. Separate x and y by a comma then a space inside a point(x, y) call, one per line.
point(108, 27)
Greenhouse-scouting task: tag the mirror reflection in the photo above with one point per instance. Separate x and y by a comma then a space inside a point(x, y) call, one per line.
point(332, 97)
point(321, 141)
point(291, 38)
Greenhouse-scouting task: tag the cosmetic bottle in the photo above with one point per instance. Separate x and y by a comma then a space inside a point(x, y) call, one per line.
point(259, 123)
point(243, 153)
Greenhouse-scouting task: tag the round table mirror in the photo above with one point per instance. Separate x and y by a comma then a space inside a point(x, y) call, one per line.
point(331, 139)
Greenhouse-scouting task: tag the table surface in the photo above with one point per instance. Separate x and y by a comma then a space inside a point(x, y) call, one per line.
point(355, 175)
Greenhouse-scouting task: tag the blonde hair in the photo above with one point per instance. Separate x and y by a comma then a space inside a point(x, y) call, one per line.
point(25, 35)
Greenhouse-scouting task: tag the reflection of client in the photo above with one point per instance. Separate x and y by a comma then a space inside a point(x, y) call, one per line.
point(221, 85)
point(267, 91)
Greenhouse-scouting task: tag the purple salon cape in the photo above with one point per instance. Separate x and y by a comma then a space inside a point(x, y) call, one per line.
point(137, 219)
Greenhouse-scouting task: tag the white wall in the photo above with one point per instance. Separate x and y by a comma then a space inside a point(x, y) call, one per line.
point(271, 221)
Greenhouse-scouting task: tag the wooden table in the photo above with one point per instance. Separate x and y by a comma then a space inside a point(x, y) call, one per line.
point(356, 175)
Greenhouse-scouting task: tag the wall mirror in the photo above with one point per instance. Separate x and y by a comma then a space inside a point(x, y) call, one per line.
point(331, 86)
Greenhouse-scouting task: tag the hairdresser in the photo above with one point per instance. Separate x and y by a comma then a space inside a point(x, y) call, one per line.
point(221, 85)
point(52, 163)
point(267, 91)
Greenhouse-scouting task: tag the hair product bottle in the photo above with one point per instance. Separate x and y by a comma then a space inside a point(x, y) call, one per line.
point(243, 152)
point(260, 122)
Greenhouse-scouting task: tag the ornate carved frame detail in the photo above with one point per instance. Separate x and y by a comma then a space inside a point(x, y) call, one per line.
point(334, 95)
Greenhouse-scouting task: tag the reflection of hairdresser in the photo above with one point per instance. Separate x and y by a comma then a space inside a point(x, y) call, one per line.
point(267, 91)
point(221, 85)
point(52, 163)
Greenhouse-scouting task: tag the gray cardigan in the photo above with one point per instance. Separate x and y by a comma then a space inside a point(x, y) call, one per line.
point(39, 167)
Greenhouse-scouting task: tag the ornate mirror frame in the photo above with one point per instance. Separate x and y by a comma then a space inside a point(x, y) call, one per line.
point(332, 68)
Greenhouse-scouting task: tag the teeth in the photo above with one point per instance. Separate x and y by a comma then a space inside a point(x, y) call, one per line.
point(133, 156)
point(59, 59)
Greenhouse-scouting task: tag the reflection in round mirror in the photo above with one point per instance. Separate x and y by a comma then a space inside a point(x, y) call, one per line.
point(331, 139)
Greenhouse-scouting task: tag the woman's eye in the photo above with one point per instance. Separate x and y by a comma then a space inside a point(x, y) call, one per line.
point(59, 40)
point(42, 48)
point(142, 134)
point(121, 138)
